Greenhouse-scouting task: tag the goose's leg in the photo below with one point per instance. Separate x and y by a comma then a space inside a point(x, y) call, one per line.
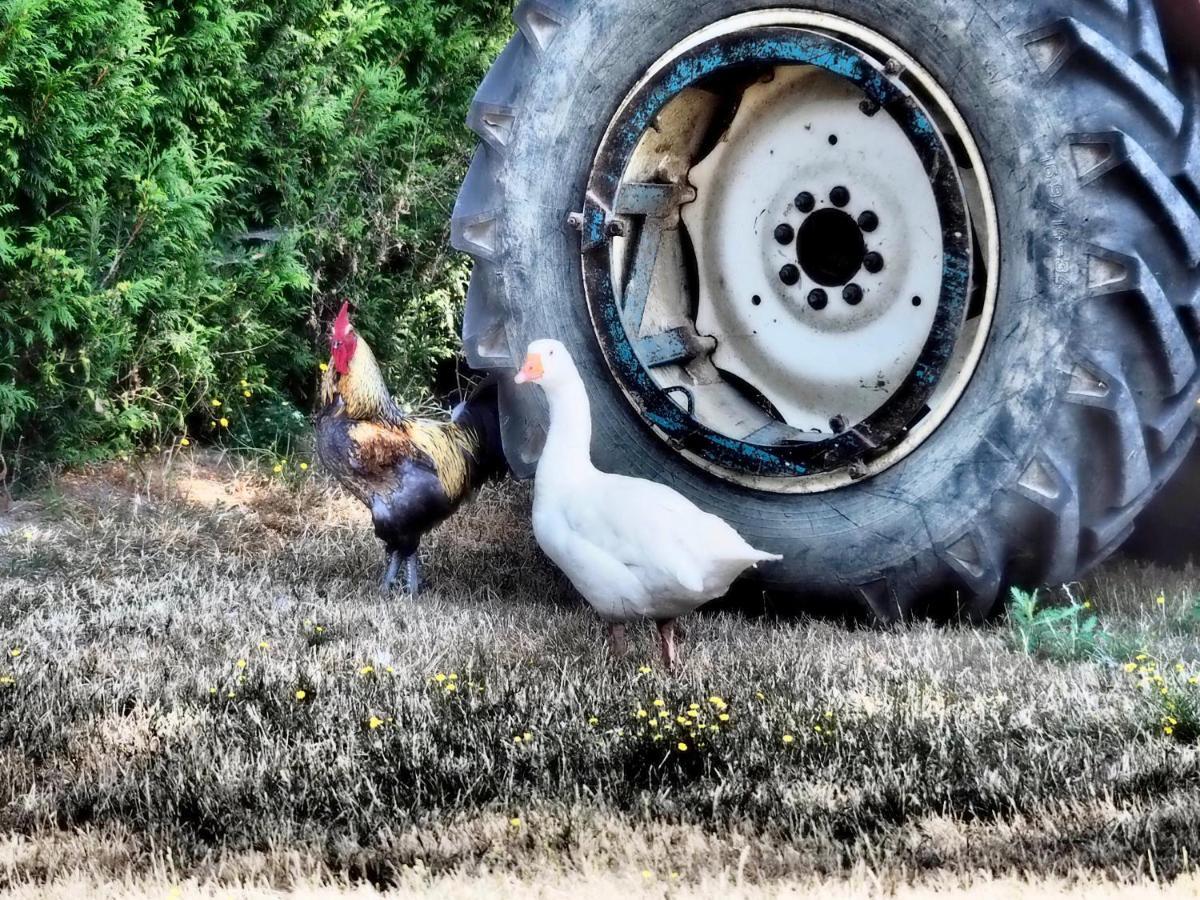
point(413, 574)
point(617, 644)
point(393, 569)
point(666, 636)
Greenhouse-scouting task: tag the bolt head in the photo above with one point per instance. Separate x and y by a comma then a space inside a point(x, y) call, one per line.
point(873, 263)
point(789, 274)
point(785, 233)
point(868, 221)
point(615, 229)
point(839, 197)
point(818, 299)
point(805, 202)
point(852, 294)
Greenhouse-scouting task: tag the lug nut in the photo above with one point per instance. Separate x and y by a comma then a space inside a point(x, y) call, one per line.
point(784, 233)
point(615, 229)
point(869, 107)
point(789, 274)
point(873, 263)
point(818, 299)
point(839, 196)
point(916, 301)
point(852, 294)
point(868, 221)
point(806, 202)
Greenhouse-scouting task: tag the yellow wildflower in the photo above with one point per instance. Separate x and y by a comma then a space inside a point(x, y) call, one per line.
point(682, 746)
point(787, 738)
point(451, 688)
point(817, 729)
point(324, 367)
point(724, 717)
point(1179, 667)
point(674, 875)
point(647, 874)
point(1087, 604)
point(224, 422)
point(641, 714)
point(303, 467)
point(681, 720)
point(439, 677)
point(278, 468)
point(453, 676)
point(514, 822)
point(1140, 657)
point(593, 721)
point(716, 701)
point(1131, 667)
point(16, 652)
point(516, 739)
point(231, 695)
point(244, 383)
point(247, 394)
point(1161, 600)
point(1168, 730)
point(215, 402)
point(184, 442)
point(694, 713)
point(364, 671)
point(212, 690)
point(263, 645)
point(659, 702)
point(300, 695)
point(760, 695)
point(527, 736)
point(1195, 679)
point(645, 670)
point(241, 663)
point(374, 722)
point(693, 706)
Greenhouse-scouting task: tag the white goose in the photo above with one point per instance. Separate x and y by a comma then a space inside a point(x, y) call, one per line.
point(633, 548)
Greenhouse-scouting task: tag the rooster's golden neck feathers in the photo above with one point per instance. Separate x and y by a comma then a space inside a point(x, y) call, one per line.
point(362, 389)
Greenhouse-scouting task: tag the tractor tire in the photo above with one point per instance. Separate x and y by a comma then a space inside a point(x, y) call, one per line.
point(1079, 407)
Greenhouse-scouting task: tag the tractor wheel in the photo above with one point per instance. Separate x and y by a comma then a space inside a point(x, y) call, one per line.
point(905, 290)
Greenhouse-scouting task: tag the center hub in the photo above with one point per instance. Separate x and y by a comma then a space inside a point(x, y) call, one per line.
point(831, 247)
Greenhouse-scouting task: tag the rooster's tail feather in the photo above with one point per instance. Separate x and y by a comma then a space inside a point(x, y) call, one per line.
point(480, 413)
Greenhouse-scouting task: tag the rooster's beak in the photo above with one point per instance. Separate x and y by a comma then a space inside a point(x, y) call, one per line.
point(532, 370)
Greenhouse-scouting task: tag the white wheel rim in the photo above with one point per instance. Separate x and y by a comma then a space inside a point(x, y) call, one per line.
point(821, 363)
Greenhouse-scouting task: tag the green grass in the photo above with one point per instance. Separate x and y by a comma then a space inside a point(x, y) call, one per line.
point(917, 753)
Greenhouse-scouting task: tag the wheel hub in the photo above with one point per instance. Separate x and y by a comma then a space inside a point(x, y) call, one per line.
point(781, 272)
point(831, 248)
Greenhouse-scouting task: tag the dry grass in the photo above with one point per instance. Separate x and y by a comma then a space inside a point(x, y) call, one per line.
point(135, 750)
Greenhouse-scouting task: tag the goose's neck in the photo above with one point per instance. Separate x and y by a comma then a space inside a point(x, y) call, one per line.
point(568, 447)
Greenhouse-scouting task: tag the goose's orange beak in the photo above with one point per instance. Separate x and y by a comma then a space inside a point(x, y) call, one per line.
point(532, 370)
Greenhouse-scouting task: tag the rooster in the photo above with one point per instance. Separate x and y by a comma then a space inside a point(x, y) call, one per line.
point(411, 473)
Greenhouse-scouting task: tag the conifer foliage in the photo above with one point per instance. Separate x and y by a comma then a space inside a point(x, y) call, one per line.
point(187, 188)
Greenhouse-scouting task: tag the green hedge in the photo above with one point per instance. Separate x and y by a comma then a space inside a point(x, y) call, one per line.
point(188, 189)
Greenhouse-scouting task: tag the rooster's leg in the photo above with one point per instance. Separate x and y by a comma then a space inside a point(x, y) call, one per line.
point(413, 574)
point(393, 569)
point(666, 635)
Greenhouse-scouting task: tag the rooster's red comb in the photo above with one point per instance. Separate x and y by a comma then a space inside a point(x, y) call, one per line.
point(341, 325)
